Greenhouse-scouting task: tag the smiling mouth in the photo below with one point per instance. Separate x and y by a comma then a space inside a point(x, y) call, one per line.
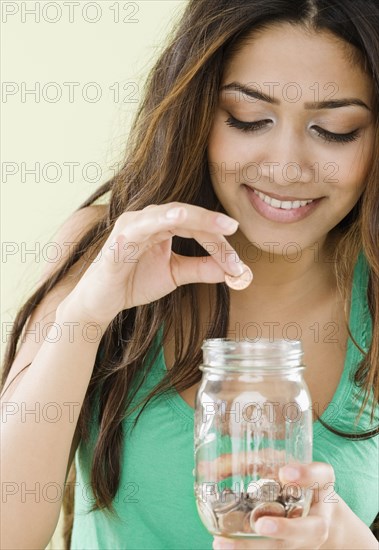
point(284, 205)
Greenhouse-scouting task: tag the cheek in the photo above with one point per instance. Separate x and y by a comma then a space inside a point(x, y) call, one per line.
point(220, 159)
point(355, 166)
point(220, 146)
point(228, 160)
point(349, 177)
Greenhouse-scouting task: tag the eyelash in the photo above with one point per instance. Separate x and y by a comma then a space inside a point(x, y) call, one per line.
point(324, 134)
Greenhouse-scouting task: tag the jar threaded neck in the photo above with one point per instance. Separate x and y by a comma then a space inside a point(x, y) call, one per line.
point(225, 352)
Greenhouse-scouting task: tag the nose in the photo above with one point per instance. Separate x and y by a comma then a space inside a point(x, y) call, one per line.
point(287, 160)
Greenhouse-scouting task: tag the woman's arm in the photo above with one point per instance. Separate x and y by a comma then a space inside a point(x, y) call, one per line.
point(40, 408)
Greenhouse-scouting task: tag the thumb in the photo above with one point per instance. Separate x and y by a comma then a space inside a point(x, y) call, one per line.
point(200, 269)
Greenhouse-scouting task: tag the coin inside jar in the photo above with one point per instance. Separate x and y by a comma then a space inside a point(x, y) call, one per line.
point(228, 501)
point(266, 509)
point(292, 492)
point(241, 281)
point(294, 511)
point(267, 490)
point(232, 522)
point(246, 525)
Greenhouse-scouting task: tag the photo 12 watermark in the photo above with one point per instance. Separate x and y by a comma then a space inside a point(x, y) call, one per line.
point(276, 92)
point(254, 331)
point(69, 171)
point(290, 172)
point(69, 92)
point(52, 492)
point(30, 11)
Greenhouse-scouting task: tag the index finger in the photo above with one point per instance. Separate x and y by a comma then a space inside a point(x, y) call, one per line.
point(316, 478)
point(307, 474)
point(193, 216)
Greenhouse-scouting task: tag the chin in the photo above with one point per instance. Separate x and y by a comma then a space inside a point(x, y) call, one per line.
point(276, 243)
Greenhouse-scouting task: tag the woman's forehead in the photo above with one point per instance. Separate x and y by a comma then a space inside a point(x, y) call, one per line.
point(281, 54)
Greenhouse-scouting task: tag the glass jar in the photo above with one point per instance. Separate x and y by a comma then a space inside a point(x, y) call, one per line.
point(252, 416)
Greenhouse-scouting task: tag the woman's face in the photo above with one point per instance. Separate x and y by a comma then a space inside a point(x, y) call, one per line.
point(297, 164)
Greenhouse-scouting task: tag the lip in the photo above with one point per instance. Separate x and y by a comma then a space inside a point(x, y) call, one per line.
point(279, 214)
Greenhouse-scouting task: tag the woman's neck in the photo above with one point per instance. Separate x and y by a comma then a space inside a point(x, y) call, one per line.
point(287, 279)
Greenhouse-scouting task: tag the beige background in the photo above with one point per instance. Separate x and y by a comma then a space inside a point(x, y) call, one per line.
point(114, 52)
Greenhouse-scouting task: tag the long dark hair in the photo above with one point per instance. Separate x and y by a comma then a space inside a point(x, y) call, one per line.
point(166, 161)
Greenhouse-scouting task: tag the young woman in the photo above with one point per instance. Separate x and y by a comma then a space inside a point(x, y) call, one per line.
point(256, 146)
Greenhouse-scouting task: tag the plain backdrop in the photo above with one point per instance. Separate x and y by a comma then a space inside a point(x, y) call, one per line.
point(71, 78)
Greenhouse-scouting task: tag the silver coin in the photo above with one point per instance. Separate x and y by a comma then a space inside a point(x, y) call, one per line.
point(232, 522)
point(228, 500)
point(266, 509)
point(292, 493)
point(241, 281)
point(266, 490)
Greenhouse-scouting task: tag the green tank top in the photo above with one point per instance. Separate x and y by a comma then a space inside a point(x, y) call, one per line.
point(155, 501)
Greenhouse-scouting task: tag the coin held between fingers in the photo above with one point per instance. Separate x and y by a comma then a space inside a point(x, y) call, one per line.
point(240, 282)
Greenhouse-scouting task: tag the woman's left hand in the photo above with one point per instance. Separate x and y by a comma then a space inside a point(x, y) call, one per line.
point(323, 527)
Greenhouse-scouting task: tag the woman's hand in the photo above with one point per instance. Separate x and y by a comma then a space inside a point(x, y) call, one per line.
point(137, 266)
point(330, 524)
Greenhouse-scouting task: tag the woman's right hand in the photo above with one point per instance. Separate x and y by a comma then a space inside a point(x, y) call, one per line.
point(137, 266)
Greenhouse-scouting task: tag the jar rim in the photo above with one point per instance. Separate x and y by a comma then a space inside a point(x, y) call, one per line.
point(263, 352)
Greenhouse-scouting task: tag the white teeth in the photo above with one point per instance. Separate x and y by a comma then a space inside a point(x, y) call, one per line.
point(285, 205)
point(275, 202)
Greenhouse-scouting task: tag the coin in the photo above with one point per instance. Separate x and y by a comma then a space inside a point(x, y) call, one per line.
point(266, 509)
point(232, 522)
point(294, 511)
point(228, 501)
point(270, 489)
point(267, 490)
point(246, 525)
point(236, 513)
point(292, 493)
point(241, 281)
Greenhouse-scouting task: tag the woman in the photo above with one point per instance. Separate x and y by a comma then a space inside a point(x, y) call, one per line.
point(265, 111)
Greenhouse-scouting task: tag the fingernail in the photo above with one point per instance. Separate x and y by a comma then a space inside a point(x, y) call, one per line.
point(290, 473)
point(236, 265)
point(266, 527)
point(225, 222)
point(222, 544)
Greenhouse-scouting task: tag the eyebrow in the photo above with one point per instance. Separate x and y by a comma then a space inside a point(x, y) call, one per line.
point(329, 104)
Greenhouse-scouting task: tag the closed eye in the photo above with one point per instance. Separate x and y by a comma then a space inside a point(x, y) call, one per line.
point(337, 138)
point(329, 137)
point(247, 126)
